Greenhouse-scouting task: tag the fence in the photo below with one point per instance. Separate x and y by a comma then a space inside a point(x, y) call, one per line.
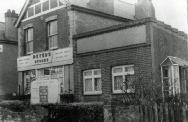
point(163, 112)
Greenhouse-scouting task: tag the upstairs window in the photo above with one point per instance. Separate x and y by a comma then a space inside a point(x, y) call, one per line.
point(29, 40)
point(52, 34)
point(92, 82)
point(121, 79)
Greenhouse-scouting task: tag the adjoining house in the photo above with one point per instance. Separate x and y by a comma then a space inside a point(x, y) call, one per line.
point(8, 54)
point(87, 47)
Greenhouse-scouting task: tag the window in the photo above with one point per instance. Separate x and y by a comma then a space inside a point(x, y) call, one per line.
point(52, 34)
point(29, 76)
point(92, 81)
point(122, 79)
point(29, 40)
point(170, 78)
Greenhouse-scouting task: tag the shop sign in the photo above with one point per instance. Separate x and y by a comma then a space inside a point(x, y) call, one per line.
point(62, 54)
point(1, 48)
point(41, 58)
point(45, 91)
point(24, 61)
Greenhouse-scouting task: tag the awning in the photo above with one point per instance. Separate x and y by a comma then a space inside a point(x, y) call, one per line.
point(170, 60)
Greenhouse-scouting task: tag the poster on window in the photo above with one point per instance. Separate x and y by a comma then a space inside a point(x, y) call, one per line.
point(45, 91)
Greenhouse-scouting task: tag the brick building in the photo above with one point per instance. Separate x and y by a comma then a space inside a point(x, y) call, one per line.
point(45, 32)
point(8, 54)
point(89, 46)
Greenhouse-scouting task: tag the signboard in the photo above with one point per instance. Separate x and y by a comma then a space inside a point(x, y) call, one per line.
point(45, 91)
point(41, 58)
point(24, 61)
point(1, 48)
point(62, 54)
point(45, 57)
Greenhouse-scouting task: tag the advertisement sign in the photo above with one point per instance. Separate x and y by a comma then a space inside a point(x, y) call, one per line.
point(24, 61)
point(45, 91)
point(62, 54)
point(41, 58)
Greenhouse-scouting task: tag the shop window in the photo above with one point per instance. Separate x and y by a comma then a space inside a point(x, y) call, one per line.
point(122, 79)
point(52, 34)
point(170, 78)
point(92, 81)
point(29, 76)
point(29, 40)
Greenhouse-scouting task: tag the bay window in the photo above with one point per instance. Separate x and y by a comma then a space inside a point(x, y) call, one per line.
point(92, 81)
point(122, 79)
point(52, 34)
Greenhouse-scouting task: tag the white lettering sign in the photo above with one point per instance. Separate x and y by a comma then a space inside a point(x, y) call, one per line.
point(24, 61)
point(45, 91)
point(1, 48)
point(62, 54)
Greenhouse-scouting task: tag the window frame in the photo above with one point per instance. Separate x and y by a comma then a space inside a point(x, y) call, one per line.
point(51, 35)
point(27, 41)
point(123, 73)
point(92, 76)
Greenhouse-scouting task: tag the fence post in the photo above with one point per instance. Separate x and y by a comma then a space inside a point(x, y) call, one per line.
point(161, 112)
point(141, 114)
point(151, 113)
point(184, 112)
point(171, 107)
point(156, 112)
point(146, 113)
point(166, 112)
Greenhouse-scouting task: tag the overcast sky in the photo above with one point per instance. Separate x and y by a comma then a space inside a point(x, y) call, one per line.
point(172, 12)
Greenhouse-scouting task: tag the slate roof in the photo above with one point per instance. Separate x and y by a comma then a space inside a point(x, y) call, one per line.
point(175, 60)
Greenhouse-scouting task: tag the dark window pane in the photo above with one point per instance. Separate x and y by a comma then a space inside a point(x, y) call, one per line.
point(45, 6)
point(30, 12)
point(38, 9)
point(53, 3)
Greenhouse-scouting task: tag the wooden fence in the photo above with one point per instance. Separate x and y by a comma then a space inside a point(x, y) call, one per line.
point(164, 112)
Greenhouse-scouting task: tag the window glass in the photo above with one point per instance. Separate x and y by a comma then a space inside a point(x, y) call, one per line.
point(52, 34)
point(122, 79)
point(92, 82)
point(29, 40)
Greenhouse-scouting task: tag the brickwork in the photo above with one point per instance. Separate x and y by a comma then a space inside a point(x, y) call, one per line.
point(167, 43)
point(140, 57)
point(87, 22)
point(8, 72)
point(40, 42)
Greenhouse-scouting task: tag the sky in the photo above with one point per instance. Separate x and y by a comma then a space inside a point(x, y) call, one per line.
point(172, 12)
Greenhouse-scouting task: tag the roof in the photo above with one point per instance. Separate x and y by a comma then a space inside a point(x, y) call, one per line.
point(78, 5)
point(130, 24)
point(170, 60)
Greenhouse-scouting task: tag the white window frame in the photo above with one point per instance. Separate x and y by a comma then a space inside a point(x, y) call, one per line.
point(52, 35)
point(28, 41)
point(174, 88)
point(92, 76)
point(123, 73)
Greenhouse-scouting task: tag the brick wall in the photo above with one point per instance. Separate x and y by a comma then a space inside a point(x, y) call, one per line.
point(86, 22)
point(40, 31)
point(8, 72)
point(167, 43)
point(139, 56)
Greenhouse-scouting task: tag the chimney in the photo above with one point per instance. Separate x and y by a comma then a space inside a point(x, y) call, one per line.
point(11, 32)
point(144, 9)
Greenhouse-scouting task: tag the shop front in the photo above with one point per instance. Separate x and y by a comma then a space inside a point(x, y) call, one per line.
point(48, 66)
